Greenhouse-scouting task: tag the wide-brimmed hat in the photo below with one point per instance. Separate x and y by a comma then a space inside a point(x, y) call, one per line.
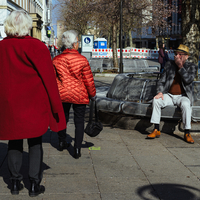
point(183, 48)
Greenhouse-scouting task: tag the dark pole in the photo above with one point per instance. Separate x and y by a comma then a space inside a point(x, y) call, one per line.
point(121, 59)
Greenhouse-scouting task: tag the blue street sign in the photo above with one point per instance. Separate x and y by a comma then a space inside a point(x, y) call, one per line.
point(87, 40)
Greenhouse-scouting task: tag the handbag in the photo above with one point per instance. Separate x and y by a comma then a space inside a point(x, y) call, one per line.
point(93, 128)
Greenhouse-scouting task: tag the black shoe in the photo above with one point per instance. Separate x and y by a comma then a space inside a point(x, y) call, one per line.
point(63, 145)
point(36, 189)
point(77, 153)
point(16, 187)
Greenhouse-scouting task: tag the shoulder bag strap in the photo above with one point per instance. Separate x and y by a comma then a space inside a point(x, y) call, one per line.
point(96, 114)
point(91, 111)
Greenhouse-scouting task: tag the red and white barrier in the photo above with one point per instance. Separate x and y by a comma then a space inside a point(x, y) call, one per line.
point(171, 54)
point(139, 53)
point(100, 53)
point(108, 53)
point(130, 53)
point(125, 53)
point(154, 54)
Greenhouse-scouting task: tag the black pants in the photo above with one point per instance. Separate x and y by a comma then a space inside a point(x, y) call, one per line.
point(79, 115)
point(15, 151)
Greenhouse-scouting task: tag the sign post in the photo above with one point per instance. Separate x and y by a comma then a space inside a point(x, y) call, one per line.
point(87, 42)
point(121, 22)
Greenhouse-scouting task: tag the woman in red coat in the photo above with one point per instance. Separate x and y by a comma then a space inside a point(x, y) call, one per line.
point(76, 86)
point(30, 101)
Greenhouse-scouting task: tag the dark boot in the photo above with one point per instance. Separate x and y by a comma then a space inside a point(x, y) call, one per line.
point(36, 189)
point(77, 153)
point(63, 145)
point(16, 187)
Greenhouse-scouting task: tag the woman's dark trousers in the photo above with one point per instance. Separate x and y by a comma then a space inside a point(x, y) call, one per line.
point(162, 67)
point(79, 115)
point(15, 152)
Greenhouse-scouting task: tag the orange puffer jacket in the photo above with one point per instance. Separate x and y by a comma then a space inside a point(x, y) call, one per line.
point(74, 77)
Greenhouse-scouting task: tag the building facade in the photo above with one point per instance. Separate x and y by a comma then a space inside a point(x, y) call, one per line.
point(61, 28)
point(39, 10)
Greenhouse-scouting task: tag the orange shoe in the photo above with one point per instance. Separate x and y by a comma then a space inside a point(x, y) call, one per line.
point(188, 138)
point(154, 134)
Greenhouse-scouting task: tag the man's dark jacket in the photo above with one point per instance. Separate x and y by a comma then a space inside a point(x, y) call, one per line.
point(188, 73)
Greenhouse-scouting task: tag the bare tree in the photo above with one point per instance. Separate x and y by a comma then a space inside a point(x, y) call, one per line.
point(75, 14)
point(104, 15)
point(143, 13)
point(191, 27)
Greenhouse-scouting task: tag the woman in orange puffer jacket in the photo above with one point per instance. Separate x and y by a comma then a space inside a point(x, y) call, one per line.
point(76, 86)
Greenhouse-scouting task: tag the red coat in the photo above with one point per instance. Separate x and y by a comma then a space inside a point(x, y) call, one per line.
point(29, 96)
point(74, 77)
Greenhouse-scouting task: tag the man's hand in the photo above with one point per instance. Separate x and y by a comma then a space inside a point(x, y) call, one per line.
point(179, 62)
point(159, 95)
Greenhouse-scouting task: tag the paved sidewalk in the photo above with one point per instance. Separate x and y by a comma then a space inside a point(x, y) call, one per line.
point(116, 165)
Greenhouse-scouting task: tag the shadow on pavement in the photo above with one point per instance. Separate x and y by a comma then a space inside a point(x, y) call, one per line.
point(52, 138)
point(168, 127)
point(4, 172)
point(168, 192)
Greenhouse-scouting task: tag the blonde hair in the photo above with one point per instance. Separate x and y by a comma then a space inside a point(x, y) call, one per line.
point(18, 23)
point(69, 38)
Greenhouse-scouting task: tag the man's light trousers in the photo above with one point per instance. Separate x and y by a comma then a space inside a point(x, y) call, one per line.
point(180, 100)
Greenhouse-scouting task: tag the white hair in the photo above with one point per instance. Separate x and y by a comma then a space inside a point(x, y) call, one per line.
point(69, 38)
point(18, 23)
